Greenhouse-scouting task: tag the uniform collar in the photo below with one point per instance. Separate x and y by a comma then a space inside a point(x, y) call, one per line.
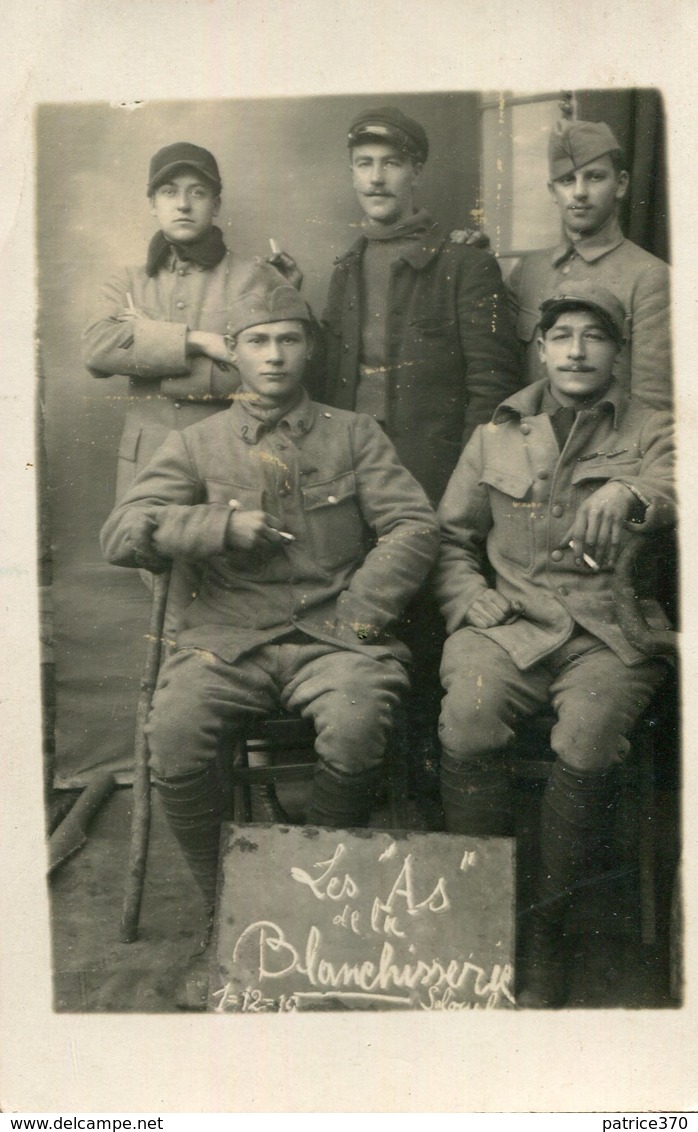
point(418, 254)
point(590, 248)
point(535, 399)
point(295, 423)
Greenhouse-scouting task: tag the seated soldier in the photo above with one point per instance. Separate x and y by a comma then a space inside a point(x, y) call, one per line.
point(311, 537)
point(547, 493)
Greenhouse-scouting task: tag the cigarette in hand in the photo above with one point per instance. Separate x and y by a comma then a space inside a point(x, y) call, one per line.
point(275, 249)
point(287, 536)
point(129, 300)
point(589, 561)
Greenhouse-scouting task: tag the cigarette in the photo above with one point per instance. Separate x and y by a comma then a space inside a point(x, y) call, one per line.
point(586, 558)
point(275, 249)
point(287, 536)
point(129, 300)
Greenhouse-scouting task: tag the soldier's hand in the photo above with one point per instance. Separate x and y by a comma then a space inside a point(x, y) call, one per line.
point(249, 530)
point(598, 526)
point(473, 237)
point(214, 346)
point(490, 609)
point(288, 267)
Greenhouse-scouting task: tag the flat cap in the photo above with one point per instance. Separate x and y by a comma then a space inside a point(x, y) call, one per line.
point(592, 295)
point(388, 124)
point(282, 304)
point(172, 157)
point(573, 144)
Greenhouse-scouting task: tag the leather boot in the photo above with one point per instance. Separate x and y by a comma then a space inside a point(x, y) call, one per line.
point(342, 801)
point(477, 796)
point(577, 817)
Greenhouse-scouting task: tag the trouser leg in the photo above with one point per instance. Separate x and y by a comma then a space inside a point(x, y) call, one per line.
point(197, 701)
point(597, 700)
point(351, 698)
point(485, 696)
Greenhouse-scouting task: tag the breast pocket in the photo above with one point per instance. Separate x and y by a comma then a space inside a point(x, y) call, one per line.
point(591, 474)
point(247, 498)
point(514, 513)
point(333, 517)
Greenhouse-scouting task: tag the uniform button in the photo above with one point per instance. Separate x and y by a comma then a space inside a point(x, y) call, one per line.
point(542, 474)
point(180, 305)
point(525, 429)
point(332, 499)
point(563, 590)
point(327, 414)
point(177, 405)
point(565, 271)
point(345, 347)
point(344, 381)
point(556, 556)
point(182, 271)
point(557, 510)
point(283, 490)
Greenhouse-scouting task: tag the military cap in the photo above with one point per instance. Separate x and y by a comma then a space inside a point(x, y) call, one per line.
point(281, 304)
point(592, 295)
point(388, 124)
point(574, 143)
point(172, 157)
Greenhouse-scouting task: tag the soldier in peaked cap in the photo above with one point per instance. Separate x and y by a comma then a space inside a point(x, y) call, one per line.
point(311, 538)
point(588, 179)
point(417, 335)
point(542, 500)
point(163, 323)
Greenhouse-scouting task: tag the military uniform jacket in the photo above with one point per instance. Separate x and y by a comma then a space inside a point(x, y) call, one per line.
point(365, 535)
point(167, 389)
point(638, 279)
point(512, 500)
point(451, 351)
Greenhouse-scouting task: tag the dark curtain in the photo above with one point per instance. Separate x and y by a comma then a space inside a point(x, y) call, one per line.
point(637, 119)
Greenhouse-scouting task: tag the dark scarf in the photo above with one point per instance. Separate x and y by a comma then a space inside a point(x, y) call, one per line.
point(207, 252)
point(411, 229)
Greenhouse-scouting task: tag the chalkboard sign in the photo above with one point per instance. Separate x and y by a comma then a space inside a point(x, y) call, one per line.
point(318, 919)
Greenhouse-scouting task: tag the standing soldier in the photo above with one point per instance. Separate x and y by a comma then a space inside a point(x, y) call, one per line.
point(418, 336)
point(163, 324)
point(588, 180)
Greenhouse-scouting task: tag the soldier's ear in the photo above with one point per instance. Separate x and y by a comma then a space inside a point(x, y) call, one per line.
point(540, 346)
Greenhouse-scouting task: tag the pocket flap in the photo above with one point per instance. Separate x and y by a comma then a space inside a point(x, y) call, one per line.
point(436, 324)
point(515, 484)
point(222, 491)
point(329, 493)
point(603, 468)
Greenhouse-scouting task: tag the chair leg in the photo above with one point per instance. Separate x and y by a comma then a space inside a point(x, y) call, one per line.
point(647, 847)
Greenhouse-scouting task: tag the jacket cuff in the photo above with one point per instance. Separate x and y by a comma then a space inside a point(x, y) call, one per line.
point(161, 345)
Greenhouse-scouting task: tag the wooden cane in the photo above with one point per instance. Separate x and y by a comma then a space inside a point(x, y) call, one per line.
point(140, 819)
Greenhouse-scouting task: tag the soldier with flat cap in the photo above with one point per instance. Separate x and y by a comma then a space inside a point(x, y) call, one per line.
point(532, 523)
point(417, 335)
point(311, 538)
point(163, 323)
point(588, 179)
